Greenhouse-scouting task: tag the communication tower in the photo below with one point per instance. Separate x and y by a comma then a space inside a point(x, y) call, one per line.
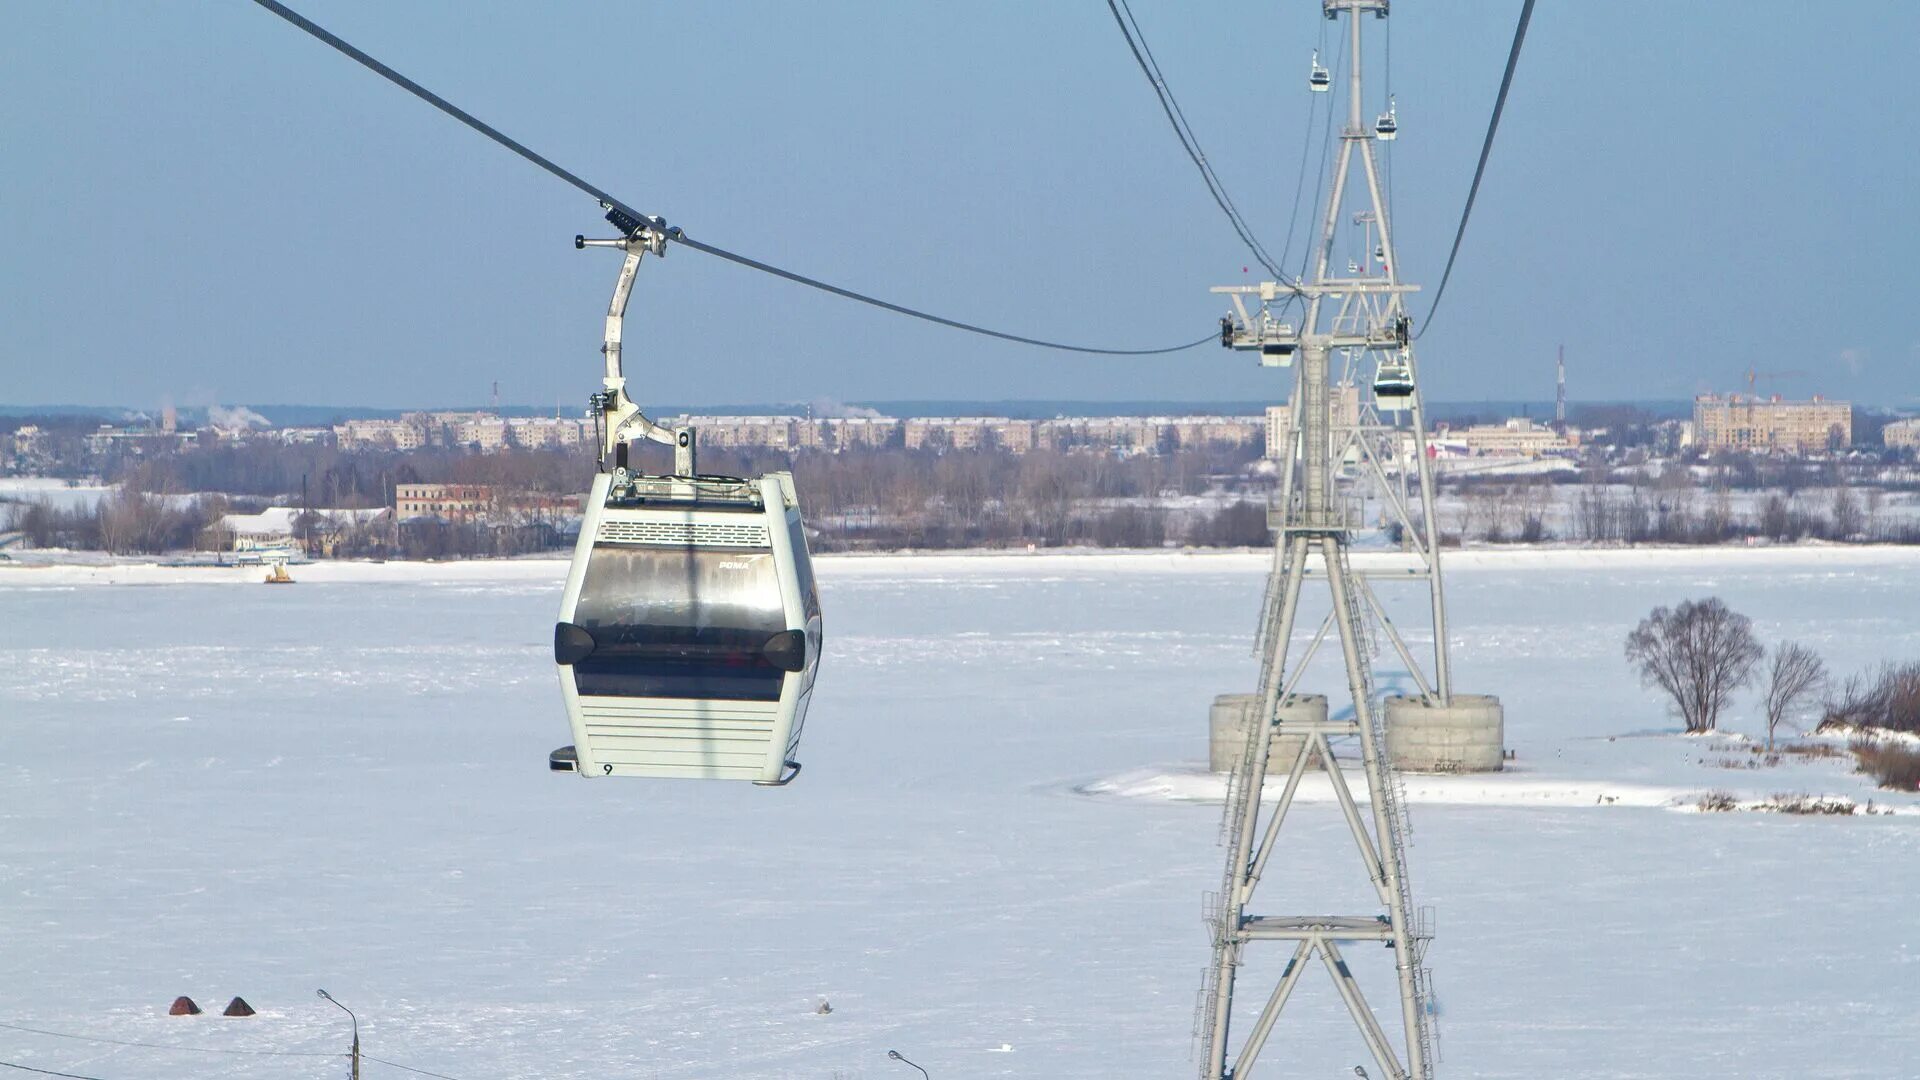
point(1560, 391)
point(1349, 339)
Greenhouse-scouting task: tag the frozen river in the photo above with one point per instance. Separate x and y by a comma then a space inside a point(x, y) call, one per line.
point(212, 788)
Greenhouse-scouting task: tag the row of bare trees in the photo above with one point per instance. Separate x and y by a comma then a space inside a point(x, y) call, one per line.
point(124, 522)
point(1533, 511)
point(1702, 652)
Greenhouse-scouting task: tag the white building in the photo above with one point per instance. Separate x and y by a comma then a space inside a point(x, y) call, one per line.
point(274, 528)
point(1902, 434)
point(1518, 437)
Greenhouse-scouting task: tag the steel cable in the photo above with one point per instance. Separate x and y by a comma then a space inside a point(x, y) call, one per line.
point(365, 60)
point(1486, 148)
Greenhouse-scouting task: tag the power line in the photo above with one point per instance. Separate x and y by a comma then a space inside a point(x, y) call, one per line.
point(407, 1068)
point(194, 1050)
point(167, 1046)
point(1486, 148)
point(45, 1072)
point(658, 224)
point(1143, 56)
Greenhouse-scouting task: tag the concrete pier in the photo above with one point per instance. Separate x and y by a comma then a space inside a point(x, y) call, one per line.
point(1227, 730)
point(1468, 735)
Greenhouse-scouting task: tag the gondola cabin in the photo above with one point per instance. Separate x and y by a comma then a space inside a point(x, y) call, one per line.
point(1393, 385)
point(689, 632)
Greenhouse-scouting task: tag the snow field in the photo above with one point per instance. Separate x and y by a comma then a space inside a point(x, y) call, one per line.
point(217, 790)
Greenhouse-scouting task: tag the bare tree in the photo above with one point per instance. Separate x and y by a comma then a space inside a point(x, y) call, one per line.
point(1795, 677)
point(1698, 653)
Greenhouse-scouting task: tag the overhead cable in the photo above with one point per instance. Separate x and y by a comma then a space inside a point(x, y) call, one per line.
point(802, 279)
point(1486, 148)
point(407, 1068)
point(658, 224)
point(1143, 56)
point(167, 1046)
point(45, 1072)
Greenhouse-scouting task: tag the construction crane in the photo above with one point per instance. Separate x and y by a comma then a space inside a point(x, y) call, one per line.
point(1754, 376)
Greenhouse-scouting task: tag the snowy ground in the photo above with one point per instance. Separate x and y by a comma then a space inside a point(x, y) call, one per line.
point(1001, 838)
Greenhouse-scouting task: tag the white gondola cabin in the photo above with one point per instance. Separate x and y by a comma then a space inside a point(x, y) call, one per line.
point(690, 631)
point(1393, 384)
point(1387, 128)
point(1319, 80)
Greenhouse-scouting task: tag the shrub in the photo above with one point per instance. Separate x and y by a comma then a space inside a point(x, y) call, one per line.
point(1808, 804)
point(1888, 699)
point(1892, 766)
point(1717, 801)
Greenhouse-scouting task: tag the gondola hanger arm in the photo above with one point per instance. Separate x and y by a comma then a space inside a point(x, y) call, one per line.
point(622, 417)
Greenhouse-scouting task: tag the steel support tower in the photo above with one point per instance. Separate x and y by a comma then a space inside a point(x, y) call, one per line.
point(1358, 319)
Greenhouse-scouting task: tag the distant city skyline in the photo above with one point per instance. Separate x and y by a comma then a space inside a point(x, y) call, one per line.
point(204, 206)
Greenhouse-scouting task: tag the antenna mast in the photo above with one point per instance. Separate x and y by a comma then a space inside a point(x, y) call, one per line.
point(1560, 391)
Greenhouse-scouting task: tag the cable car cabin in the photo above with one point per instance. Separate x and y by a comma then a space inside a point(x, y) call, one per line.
point(1319, 80)
point(1393, 385)
point(1387, 128)
point(690, 632)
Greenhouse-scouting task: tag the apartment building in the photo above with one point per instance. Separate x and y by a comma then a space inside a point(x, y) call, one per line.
point(1345, 402)
point(1735, 422)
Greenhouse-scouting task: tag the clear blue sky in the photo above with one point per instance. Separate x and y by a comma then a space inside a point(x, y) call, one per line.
point(200, 203)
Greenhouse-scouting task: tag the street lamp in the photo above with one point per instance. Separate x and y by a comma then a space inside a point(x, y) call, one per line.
point(895, 1055)
point(356, 1031)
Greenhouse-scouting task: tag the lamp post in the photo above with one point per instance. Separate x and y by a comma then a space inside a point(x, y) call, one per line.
point(895, 1055)
point(356, 1031)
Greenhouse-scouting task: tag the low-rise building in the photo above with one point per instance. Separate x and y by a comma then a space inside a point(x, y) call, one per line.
point(968, 433)
point(109, 439)
point(29, 440)
point(455, 502)
point(287, 528)
point(1118, 434)
point(741, 432)
point(868, 432)
point(380, 435)
point(1518, 437)
point(1902, 434)
point(1193, 432)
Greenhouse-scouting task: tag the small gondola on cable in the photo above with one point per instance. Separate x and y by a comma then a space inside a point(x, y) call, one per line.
point(689, 632)
point(1393, 382)
point(1387, 128)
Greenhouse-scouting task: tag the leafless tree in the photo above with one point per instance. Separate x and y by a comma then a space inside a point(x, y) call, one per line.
point(1795, 677)
point(1698, 653)
point(1849, 522)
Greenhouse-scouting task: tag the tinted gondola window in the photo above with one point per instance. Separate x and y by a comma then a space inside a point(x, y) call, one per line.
point(675, 622)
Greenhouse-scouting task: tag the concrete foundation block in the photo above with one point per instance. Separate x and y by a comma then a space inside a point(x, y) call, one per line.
point(1468, 735)
point(1227, 729)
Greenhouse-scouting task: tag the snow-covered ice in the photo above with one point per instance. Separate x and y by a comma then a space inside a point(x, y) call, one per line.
point(993, 863)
